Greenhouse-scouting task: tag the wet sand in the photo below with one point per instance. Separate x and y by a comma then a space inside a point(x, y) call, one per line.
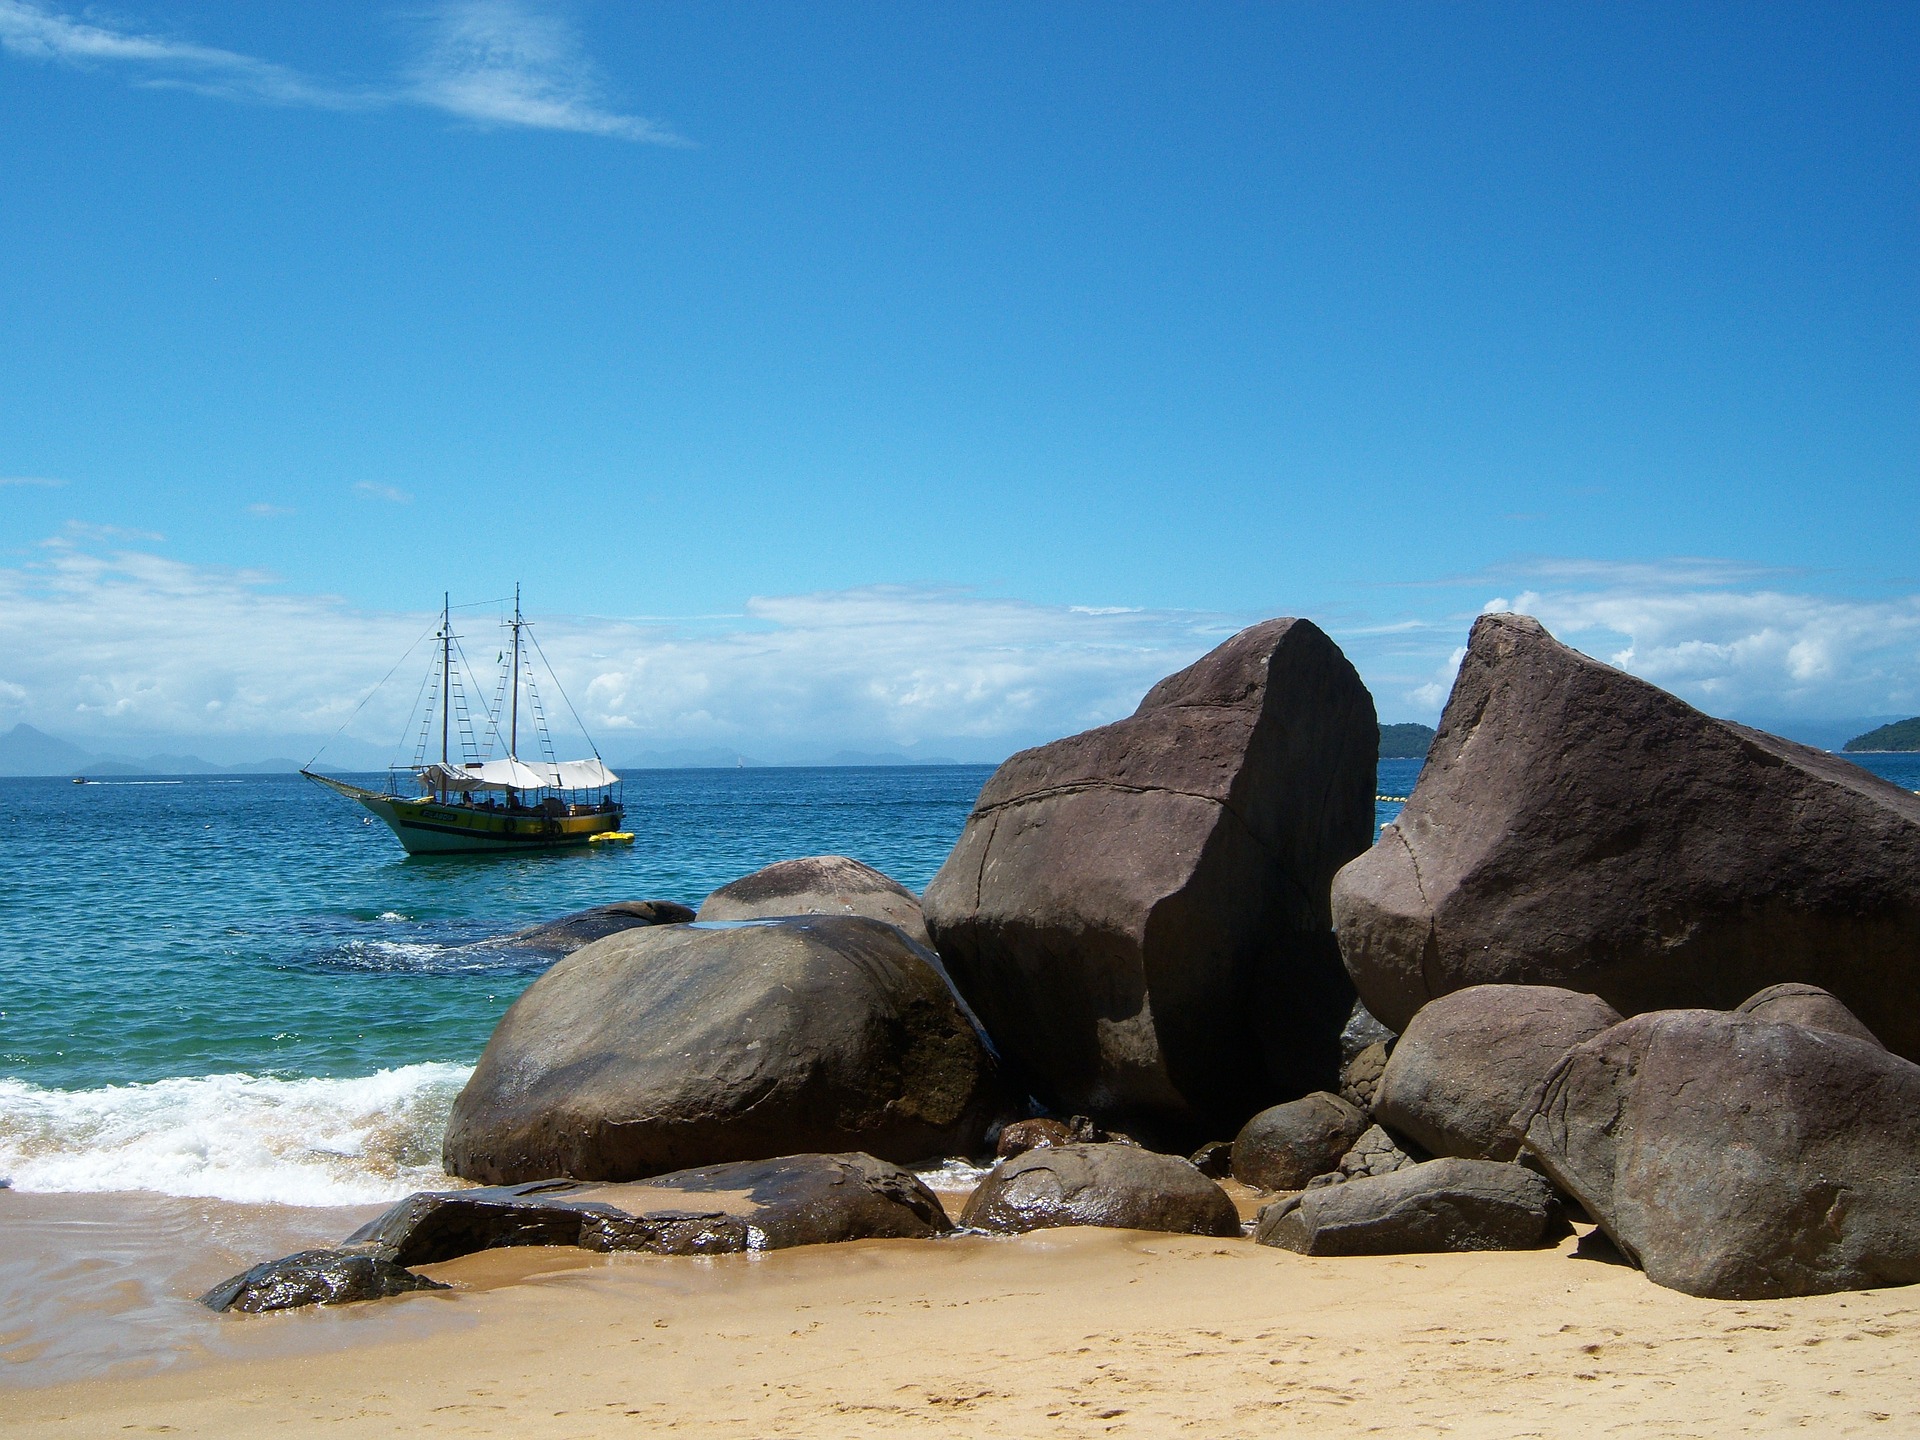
point(1069, 1332)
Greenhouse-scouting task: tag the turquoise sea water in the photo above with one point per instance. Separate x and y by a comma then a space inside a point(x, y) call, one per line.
point(235, 987)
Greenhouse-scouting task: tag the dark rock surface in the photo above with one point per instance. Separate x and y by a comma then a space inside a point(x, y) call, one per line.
point(1024, 1135)
point(315, 1277)
point(818, 885)
point(675, 1046)
point(1576, 826)
point(1374, 1153)
point(583, 927)
point(1448, 1204)
point(1807, 1006)
point(718, 1209)
point(1362, 1032)
point(1360, 1077)
point(1213, 1159)
point(1469, 1060)
point(1285, 1146)
point(1121, 1186)
point(1139, 913)
point(1738, 1158)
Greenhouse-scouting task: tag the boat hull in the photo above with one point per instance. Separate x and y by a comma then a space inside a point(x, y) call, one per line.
point(427, 827)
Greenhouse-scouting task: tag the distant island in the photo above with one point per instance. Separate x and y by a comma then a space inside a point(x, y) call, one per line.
point(1405, 742)
point(1901, 735)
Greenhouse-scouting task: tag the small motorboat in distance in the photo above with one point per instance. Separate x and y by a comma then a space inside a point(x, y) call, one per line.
point(471, 801)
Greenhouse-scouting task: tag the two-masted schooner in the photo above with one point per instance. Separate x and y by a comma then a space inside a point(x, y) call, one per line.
point(471, 802)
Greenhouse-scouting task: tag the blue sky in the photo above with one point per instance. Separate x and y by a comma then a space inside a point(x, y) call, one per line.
point(937, 377)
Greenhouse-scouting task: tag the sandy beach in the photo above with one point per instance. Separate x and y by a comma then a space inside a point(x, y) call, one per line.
point(1068, 1332)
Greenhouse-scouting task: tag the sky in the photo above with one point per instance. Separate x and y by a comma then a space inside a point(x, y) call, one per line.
point(935, 378)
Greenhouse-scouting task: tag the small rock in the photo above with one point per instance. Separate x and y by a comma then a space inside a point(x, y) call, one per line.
point(1360, 1077)
point(1809, 1007)
point(315, 1277)
point(1213, 1159)
point(1024, 1135)
point(1362, 1032)
point(1374, 1153)
point(583, 927)
point(1285, 1146)
point(1441, 1205)
point(1113, 1185)
point(819, 885)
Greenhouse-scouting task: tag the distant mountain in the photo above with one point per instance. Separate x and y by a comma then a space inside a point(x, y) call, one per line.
point(1901, 735)
point(27, 751)
point(687, 760)
point(884, 757)
point(1406, 741)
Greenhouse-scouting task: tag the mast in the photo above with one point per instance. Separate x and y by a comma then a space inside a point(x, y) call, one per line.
point(513, 721)
point(446, 680)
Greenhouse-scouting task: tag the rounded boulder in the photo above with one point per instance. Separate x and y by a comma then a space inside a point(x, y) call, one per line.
point(1471, 1059)
point(1119, 1186)
point(665, 1048)
point(1285, 1146)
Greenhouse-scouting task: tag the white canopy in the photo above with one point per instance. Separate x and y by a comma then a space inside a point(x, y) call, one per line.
point(517, 775)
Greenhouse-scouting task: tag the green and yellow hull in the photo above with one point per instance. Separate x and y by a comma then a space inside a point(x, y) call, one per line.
point(425, 826)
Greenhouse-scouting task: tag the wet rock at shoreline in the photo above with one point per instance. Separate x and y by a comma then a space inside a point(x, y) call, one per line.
point(1285, 1146)
point(1024, 1135)
point(583, 927)
point(315, 1277)
point(717, 1209)
point(1441, 1205)
point(1469, 1060)
point(1121, 1186)
point(818, 885)
point(1577, 826)
point(675, 1046)
point(1139, 913)
point(1734, 1157)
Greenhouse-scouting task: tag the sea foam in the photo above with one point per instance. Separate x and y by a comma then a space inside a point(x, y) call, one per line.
point(245, 1138)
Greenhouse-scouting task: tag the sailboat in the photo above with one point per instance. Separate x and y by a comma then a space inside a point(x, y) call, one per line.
point(468, 802)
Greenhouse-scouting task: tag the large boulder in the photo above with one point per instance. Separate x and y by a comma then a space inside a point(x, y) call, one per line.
point(583, 927)
point(818, 885)
point(1469, 1060)
point(1576, 826)
point(1285, 1146)
point(674, 1046)
point(1139, 913)
point(1121, 1186)
point(1448, 1204)
point(1739, 1158)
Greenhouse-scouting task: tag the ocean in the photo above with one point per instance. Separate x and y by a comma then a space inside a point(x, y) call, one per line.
point(233, 988)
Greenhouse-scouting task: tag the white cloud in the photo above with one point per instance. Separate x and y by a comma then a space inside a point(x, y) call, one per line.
point(93, 645)
point(494, 63)
point(263, 511)
point(383, 492)
point(41, 481)
point(499, 62)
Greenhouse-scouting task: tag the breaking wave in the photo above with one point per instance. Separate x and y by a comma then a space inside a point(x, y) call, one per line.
point(244, 1138)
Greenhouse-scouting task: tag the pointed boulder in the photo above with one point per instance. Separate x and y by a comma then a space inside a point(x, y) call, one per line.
point(1139, 913)
point(1576, 826)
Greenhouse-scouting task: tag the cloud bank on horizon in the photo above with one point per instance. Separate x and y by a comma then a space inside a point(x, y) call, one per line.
point(105, 643)
point(487, 62)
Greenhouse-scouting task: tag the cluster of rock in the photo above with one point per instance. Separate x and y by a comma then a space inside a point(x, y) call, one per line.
point(1629, 962)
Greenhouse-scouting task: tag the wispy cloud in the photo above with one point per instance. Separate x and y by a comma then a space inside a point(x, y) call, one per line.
point(383, 492)
point(43, 481)
point(497, 62)
point(262, 511)
point(118, 641)
point(493, 63)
